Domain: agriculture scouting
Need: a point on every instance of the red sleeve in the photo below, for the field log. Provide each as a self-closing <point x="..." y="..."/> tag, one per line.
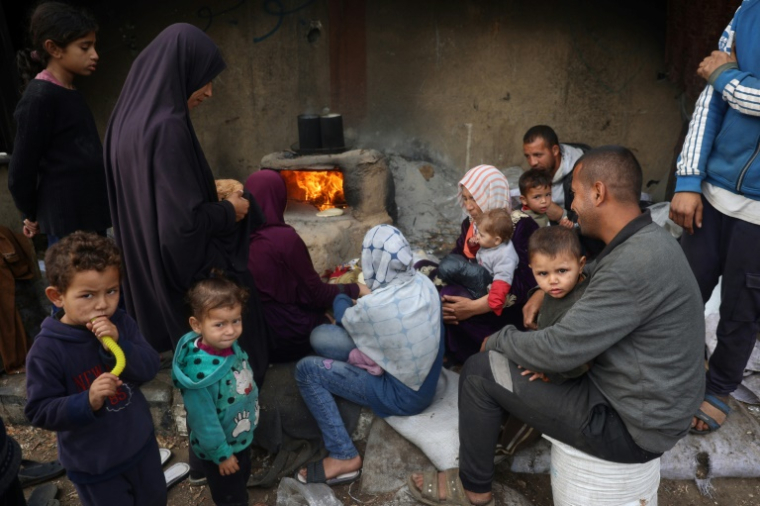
<point x="497" y="295"/>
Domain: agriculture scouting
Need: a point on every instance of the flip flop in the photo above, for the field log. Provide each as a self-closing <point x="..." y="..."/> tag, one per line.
<point x="315" y="473"/>
<point x="166" y="454"/>
<point x="44" y="495"/>
<point x="32" y="473"/>
<point x="712" y="424"/>
<point x="176" y="473"/>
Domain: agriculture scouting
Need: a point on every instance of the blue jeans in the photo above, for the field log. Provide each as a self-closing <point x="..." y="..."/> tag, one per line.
<point x="319" y="378"/>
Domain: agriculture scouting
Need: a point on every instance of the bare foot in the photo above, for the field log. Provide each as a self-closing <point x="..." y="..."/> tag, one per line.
<point x="475" y="499"/>
<point x="711" y="411"/>
<point x="335" y="467"/>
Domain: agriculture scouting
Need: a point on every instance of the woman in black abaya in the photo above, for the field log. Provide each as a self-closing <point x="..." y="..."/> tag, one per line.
<point x="170" y="224"/>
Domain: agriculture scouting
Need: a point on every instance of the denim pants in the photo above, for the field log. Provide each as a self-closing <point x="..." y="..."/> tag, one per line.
<point x="321" y="377"/>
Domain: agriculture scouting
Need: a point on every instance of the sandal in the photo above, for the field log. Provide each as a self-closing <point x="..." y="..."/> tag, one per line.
<point x="32" y="473"/>
<point x="176" y="473"/>
<point x="315" y="473"/>
<point x="165" y="454"/>
<point x="712" y="425"/>
<point x="455" y="494"/>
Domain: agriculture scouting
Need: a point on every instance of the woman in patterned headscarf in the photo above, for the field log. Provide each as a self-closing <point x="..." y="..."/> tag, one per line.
<point x="385" y="352"/>
<point x="468" y="322"/>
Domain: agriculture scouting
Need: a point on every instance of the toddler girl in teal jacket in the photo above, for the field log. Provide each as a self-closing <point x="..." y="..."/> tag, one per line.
<point x="217" y="385"/>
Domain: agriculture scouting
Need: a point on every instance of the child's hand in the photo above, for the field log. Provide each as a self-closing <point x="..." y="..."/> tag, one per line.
<point x="229" y="466"/>
<point x="31" y="228"/>
<point x="565" y="222"/>
<point x="535" y="375"/>
<point x="103" y="387"/>
<point x="473" y="241"/>
<point x="363" y="289"/>
<point x="102" y="327"/>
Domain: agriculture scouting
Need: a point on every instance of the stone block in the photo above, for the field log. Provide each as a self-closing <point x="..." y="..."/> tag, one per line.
<point x="731" y="452"/>
<point x="364" y="425"/>
<point x="389" y="459"/>
<point x="331" y="241"/>
<point x="503" y="495"/>
<point x="179" y="414"/>
<point x="159" y="394"/>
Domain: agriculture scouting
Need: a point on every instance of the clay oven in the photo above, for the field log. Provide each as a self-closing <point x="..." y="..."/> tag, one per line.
<point x="369" y="200"/>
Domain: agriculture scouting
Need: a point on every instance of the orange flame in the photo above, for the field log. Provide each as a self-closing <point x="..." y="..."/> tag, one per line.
<point x="321" y="188"/>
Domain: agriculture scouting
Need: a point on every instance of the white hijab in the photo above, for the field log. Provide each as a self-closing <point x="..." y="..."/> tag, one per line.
<point x="399" y="324"/>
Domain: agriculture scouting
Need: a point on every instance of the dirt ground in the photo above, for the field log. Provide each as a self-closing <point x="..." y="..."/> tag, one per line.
<point x="40" y="445"/>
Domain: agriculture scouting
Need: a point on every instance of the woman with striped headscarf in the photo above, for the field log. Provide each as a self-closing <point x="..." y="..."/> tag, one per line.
<point x="469" y="321"/>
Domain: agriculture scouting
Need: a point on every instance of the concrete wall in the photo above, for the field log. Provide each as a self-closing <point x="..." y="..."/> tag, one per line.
<point x="455" y="82"/>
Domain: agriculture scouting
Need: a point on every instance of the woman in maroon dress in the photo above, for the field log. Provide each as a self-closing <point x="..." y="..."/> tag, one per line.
<point x="293" y="295"/>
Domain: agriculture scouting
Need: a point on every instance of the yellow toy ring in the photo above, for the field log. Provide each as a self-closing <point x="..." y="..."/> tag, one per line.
<point x="118" y="353"/>
<point x="121" y="360"/>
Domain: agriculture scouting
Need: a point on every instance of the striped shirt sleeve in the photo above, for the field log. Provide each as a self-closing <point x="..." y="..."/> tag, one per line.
<point x="740" y="90"/>
<point x="703" y="128"/>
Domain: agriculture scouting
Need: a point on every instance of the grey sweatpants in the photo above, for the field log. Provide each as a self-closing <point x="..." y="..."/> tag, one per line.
<point x="574" y="412"/>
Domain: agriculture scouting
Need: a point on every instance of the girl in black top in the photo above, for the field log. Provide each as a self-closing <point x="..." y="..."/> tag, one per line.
<point x="56" y="174"/>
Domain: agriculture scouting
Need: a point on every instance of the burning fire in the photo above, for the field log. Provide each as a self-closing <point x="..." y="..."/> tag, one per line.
<point x="321" y="188"/>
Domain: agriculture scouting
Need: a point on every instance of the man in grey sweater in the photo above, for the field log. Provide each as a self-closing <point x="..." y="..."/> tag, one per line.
<point x="640" y="321"/>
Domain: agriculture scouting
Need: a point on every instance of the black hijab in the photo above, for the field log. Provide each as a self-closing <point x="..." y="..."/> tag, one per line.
<point x="167" y="218"/>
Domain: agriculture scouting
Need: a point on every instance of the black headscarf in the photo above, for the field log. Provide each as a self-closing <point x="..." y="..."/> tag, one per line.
<point x="167" y="218"/>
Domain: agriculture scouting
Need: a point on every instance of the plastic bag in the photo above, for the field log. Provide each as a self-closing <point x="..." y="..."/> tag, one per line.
<point x="293" y="493"/>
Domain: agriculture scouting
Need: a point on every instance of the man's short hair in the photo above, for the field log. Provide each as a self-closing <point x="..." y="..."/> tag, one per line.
<point x="534" y="178"/>
<point x="554" y="241"/>
<point x="79" y="252"/>
<point x="497" y="222"/>
<point x="616" y="167"/>
<point x="544" y="132"/>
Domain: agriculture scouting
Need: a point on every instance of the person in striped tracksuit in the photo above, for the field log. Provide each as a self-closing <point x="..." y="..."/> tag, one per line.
<point x="717" y="201"/>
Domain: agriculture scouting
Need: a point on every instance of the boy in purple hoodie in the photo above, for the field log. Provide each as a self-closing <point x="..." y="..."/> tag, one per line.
<point x="105" y="431"/>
